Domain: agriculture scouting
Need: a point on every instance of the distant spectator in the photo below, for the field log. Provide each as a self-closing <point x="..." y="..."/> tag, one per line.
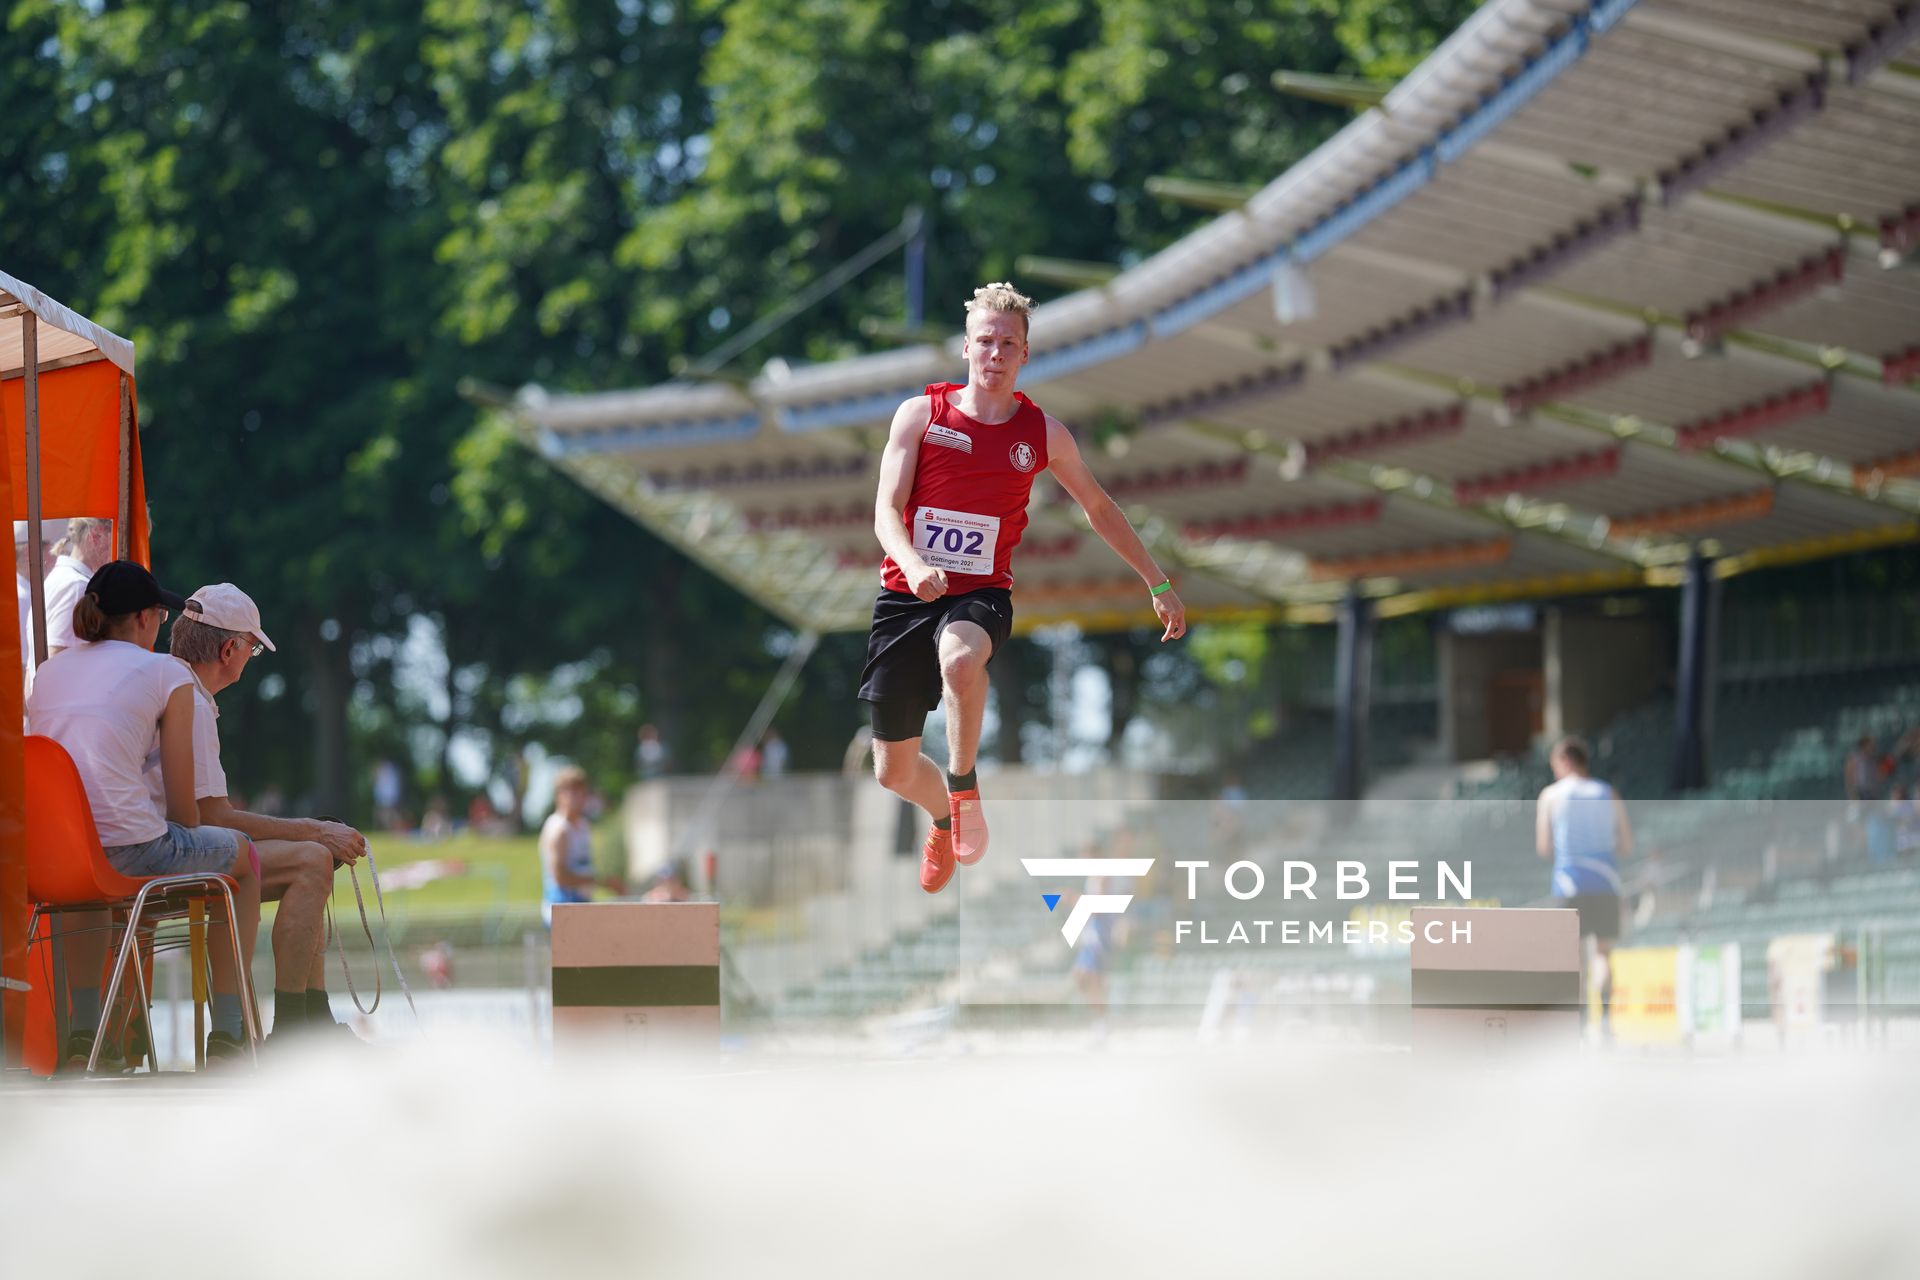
<point x="1904" y="814"/>
<point x="650" y="758"/>
<point x="1864" y="778"/>
<point x="438" y="822"/>
<point x="485" y="820"/>
<point x="566" y="847"/>
<point x="22" y="590"/>
<point x="24" y="573"/>
<point x="1906" y="761"/>
<point x="670" y="885"/>
<point x="87" y="546"/>
<point x="437" y="963"/>
<point x="1093" y="953"/>
<point x="386" y="794"/>
<point x="745" y="763"/>
<point x="773" y="755"/>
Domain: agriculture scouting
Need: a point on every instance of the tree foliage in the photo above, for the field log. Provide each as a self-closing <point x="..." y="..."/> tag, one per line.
<point x="317" y="219"/>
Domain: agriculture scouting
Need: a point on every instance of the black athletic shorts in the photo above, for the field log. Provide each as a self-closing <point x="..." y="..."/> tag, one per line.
<point x="901" y="680"/>
<point x="1599" y="913"/>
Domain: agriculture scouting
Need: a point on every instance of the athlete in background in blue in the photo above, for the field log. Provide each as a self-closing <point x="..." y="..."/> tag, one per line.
<point x="1581" y="824"/>
<point x="566" y="847"/>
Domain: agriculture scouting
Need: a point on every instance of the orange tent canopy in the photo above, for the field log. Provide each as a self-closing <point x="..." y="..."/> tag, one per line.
<point x="80" y="448"/>
<point x="66" y="390"/>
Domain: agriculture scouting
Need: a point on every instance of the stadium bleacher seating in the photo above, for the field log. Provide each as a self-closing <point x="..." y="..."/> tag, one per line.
<point x="1773" y="740"/>
<point x="1293" y="765"/>
<point x="1728" y="865"/>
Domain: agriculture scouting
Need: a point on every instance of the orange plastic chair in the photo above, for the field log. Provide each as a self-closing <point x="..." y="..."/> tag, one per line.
<point x="67" y="871"/>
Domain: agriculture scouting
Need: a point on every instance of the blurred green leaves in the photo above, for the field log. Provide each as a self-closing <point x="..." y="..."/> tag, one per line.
<point x="317" y="219"/>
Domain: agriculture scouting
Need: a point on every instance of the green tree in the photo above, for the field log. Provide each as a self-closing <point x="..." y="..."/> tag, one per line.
<point x="317" y="219"/>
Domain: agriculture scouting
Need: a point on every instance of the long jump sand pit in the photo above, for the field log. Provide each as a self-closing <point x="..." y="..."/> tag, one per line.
<point x="480" y="1160"/>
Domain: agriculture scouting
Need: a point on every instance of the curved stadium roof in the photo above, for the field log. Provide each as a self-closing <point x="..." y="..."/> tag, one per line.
<point x="1597" y="283"/>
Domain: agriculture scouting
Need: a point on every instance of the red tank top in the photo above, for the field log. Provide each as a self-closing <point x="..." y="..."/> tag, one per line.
<point x="968" y="506"/>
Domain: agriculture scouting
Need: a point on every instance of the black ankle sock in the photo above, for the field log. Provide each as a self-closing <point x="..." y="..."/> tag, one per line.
<point x="318" y="1007"/>
<point x="961" y="781"/>
<point x="289" y="1009"/>
<point x="945" y="824"/>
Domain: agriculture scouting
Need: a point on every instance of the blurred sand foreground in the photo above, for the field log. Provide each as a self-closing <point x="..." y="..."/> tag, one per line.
<point x="479" y="1160"/>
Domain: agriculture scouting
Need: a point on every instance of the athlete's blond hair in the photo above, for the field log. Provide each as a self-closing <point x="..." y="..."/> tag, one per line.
<point x="1001" y="296"/>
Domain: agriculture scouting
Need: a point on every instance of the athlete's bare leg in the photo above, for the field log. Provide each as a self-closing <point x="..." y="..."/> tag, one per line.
<point x="964" y="650"/>
<point x="904" y="769"/>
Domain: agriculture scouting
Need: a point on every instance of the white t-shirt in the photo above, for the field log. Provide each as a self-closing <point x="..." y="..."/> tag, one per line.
<point x="66" y="583"/>
<point x="22" y="588"/>
<point x="209" y="777"/>
<point x="102" y="702"/>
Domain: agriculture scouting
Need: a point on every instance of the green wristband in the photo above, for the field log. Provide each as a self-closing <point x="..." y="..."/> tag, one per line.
<point x="1162" y="589"/>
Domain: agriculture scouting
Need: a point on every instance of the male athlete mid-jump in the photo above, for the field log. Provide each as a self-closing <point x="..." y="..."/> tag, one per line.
<point x="954" y="482"/>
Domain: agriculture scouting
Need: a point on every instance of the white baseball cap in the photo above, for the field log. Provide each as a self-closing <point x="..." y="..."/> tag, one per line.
<point x="226" y="606"/>
<point x="51" y="531"/>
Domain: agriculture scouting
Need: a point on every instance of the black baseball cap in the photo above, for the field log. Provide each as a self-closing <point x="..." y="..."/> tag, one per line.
<point x="124" y="586"/>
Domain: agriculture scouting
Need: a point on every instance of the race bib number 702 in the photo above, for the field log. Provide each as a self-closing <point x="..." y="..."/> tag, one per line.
<point x="957" y="541"/>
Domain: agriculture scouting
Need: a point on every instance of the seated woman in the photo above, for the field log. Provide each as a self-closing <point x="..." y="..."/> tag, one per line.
<point x="116" y="706"/>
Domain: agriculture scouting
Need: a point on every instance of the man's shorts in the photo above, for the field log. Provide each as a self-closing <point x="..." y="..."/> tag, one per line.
<point x="1599" y="913"/>
<point x="901" y="680"/>
<point x="181" y="851"/>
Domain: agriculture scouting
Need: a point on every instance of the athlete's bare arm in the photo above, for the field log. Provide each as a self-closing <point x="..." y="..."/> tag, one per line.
<point x="897" y="463"/>
<point x="1104" y="514"/>
<point x="1543" y="827"/>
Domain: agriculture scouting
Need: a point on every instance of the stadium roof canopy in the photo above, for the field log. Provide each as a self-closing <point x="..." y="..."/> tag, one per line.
<point x="1596" y="284"/>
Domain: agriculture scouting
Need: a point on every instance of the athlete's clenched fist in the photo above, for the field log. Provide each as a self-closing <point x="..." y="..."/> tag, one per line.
<point x="927" y="582"/>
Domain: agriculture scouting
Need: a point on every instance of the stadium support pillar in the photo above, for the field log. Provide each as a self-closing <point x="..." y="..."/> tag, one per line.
<point x="1693" y="730"/>
<point x="1353" y="665"/>
<point x="916" y="270"/>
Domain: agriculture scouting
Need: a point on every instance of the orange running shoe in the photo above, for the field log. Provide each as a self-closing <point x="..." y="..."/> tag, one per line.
<point x="936" y="861"/>
<point x="969" y="826"/>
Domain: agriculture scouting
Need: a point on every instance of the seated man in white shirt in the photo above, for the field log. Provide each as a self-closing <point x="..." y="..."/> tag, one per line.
<point x="87" y="547"/>
<point x="216" y="635"/>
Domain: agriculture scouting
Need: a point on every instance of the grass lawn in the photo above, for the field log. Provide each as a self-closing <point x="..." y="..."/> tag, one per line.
<point x="499" y="880"/>
<point x="497" y="871"/>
